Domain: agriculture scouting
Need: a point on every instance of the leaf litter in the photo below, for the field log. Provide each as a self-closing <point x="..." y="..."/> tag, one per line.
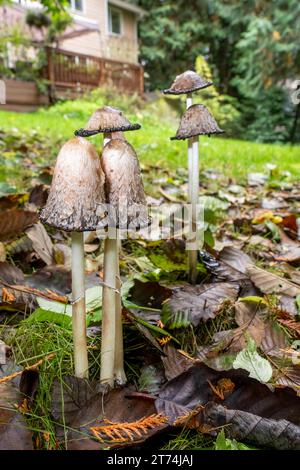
<point x="222" y="352"/>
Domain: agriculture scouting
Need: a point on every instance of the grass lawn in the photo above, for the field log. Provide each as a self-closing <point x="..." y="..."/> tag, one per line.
<point x="232" y="157"/>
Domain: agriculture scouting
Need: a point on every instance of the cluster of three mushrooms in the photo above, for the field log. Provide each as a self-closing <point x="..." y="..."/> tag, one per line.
<point x="87" y="194"/>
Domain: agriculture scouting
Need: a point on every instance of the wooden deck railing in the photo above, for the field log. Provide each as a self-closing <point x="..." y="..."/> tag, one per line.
<point x="70" y="69"/>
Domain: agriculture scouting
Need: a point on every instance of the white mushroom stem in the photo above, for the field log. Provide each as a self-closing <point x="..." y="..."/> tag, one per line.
<point x="189" y="102"/>
<point x="119" y="372"/>
<point x="193" y="189"/>
<point x="109" y="311"/>
<point x="112" y="352"/>
<point x="78" y="306"/>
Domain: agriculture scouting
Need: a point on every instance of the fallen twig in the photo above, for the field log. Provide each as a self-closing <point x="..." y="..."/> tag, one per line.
<point x="49" y="294"/>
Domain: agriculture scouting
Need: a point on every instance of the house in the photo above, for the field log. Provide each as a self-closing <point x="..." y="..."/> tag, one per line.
<point x="109" y="29"/>
<point x="102" y="28"/>
<point x="100" y="47"/>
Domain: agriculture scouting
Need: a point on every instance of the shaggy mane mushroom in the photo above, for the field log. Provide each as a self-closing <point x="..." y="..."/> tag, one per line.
<point x="75" y="205"/>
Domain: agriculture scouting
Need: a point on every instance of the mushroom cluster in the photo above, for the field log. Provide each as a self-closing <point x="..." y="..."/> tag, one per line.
<point x="197" y="120"/>
<point x="90" y="193"/>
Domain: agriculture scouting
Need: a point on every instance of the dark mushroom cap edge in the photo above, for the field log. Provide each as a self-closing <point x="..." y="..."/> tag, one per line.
<point x="196" y="134"/>
<point x="108" y="130"/>
<point x="169" y="91"/>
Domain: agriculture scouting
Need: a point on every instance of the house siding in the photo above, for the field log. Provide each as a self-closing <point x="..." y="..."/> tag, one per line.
<point x="68" y="70"/>
<point x="89" y="44"/>
<point x="99" y="42"/>
<point x="122" y="48"/>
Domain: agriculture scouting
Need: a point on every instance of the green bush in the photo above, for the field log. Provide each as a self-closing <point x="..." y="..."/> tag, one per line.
<point x="37" y="19"/>
<point x="270" y="120"/>
<point x="224" y="108"/>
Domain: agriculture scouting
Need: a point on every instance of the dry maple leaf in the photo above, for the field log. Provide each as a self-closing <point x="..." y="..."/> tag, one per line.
<point x="124" y="432"/>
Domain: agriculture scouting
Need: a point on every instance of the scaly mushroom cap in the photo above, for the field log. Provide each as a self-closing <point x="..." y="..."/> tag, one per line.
<point x="187" y="82"/>
<point x="124" y="185"/>
<point x="77" y="190"/>
<point x="107" y="120"/>
<point x="197" y="120"/>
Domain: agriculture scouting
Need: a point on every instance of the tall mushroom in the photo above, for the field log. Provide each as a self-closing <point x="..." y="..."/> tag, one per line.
<point x="196" y="121"/>
<point x="126" y="198"/>
<point x="75" y="205"/>
<point x="187" y="83"/>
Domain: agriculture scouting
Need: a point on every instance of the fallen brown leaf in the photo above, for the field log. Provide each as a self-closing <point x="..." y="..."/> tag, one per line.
<point x="191" y="389"/>
<point x="15" y="221"/>
<point x="243" y="426"/>
<point x="14" y="432"/>
<point x="191" y="304"/>
<point x="85" y="407"/>
<point x="289" y="255"/>
<point x="174" y="362"/>
<point x="270" y="283"/>
<point x="41" y="242"/>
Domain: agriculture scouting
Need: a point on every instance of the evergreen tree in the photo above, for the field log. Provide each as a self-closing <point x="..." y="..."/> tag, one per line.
<point x="252" y="46"/>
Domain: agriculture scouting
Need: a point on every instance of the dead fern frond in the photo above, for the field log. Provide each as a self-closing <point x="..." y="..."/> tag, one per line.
<point x="7" y="296"/>
<point x="190" y="419"/>
<point x="24" y="406"/>
<point x="124" y="432"/>
<point x="164" y="340"/>
<point x="223" y="388"/>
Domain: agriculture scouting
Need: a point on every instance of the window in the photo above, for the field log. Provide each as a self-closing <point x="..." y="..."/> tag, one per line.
<point x="114" y="20"/>
<point x="76" y="5"/>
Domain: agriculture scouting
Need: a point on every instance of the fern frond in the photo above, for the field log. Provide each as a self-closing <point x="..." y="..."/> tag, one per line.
<point x="190" y="419"/>
<point x="7" y="296"/>
<point x="124" y="432"/>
